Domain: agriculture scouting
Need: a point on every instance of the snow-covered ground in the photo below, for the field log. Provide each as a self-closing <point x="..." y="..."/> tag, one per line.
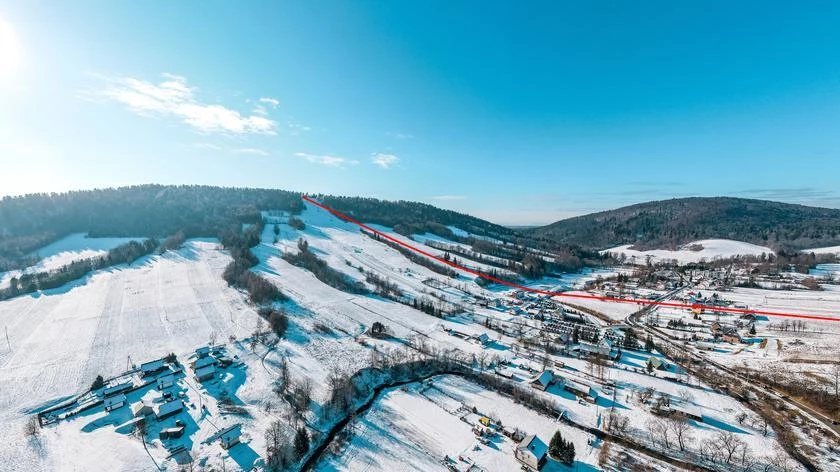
<point x="71" y="248"/>
<point x="711" y="249"/>
<point x="415" y="427"/>
<point x="60" y="340"/>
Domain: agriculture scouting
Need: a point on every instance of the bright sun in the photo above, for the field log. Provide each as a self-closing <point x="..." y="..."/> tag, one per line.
<point x="9" y="50"/>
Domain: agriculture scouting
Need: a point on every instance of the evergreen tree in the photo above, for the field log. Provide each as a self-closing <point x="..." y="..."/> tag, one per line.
<point x="752" y="330"/>
<point x="649" y="346"/>
<point x="556" y="445"/>
<point x="98" y="383"/>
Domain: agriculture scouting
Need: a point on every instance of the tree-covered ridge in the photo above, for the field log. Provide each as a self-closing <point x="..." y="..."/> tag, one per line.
<point x="670" y="223"/>
<point x="409" y="218"/>
<point x="33" y="221"/>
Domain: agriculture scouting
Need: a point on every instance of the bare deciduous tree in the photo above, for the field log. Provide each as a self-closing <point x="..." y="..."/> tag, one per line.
<point x="32" y="428"/>
<point x="678" y="424"/>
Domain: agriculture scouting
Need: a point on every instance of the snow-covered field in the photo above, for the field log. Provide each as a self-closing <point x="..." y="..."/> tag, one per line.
<point x="711" y="249"/>
<point x="823" y="250"/>
<point x="70" y="248"/>
<point x="61" y="340"/>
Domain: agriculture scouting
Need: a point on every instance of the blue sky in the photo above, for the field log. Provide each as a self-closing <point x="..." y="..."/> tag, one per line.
<point x="519" y="112"/>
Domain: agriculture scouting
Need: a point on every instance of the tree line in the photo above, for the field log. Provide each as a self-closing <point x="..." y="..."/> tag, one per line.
<point x="33" y="221"/>
<point x="238" y="272"/>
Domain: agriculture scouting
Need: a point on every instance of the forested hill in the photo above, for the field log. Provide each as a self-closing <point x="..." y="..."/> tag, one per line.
<point x="32" y="221"/>
<point x="29" y="222"/>
<point x="669" y="223"/>
<point x="413" y="217"/>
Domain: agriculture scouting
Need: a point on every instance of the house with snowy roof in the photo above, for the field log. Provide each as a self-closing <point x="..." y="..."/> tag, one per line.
<point x="543" y="381"/>
<point x="532" y="452"/>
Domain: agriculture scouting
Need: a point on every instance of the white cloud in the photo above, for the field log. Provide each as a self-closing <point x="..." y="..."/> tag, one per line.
<point x="401" y="135"/>
<point x="449" y="197"/>
<point x="271" y="101"/>
<point x="254" y="151"/>
<point x="172" y="97"/>
<point x="384" y="160"/>
<point x="327" y="160"/>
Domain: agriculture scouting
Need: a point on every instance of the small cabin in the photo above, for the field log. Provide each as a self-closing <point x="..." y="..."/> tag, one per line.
<point x="171" y="433"/>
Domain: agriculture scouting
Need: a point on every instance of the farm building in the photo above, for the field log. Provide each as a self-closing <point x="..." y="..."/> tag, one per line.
<point x="165" y="410"/>
<point x="119" y="388"/>
<point x="165" y="381"/>
<point x="114" y="402"/>
<point x="532" y="452"/>
<point x="205" y="373"/>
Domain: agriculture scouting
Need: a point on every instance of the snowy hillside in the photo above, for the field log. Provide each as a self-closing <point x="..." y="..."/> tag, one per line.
<point x="707" y="249"/>
<point x="71" y="248"/>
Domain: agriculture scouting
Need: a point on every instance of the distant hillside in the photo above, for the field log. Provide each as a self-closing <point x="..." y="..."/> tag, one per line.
<point x="33" y="221"/>
<point x="669" y="223"/>
<point x="414" y="218"/>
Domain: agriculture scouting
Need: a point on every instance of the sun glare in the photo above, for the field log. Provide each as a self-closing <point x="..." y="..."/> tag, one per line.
<point x="9" y="51"/>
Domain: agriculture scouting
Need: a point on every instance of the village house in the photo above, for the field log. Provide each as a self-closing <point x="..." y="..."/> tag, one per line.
<point x="142" y="409"/>
<point x="658" y="363"/>
<point x="688" y="411"/>
<point x="483" y="339"/>
<point x="581" y="390"/>
<point x="152" y="367"/>
<point x="165" y="410"/>
<point x="202" y="362"/>
<point x="229" y="436"/>
<point x="205" y="373"/>
<point x="543" y="381"/>
<point x="532" y="452"/>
